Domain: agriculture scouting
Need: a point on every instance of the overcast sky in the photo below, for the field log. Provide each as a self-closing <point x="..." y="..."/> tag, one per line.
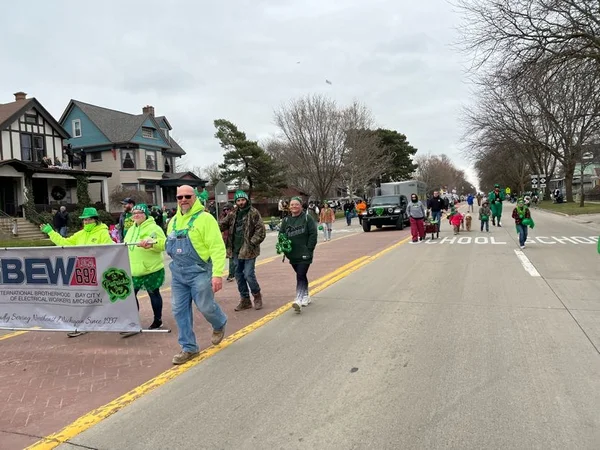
<point x="196" y="61"/>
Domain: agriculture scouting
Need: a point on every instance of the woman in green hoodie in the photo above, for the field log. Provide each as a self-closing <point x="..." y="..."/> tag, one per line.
<point x="146" y="244"/>
<point x="94" y="232"/>
<point x="299" y="231"/>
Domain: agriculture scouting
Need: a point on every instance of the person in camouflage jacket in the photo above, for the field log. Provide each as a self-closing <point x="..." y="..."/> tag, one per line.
<point x="246" y="231"/>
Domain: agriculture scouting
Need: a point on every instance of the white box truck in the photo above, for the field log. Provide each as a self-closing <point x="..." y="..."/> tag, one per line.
<point x="405" y="188"/>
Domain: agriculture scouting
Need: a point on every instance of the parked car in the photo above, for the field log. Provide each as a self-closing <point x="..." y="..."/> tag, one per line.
<point x="386" y="210"/>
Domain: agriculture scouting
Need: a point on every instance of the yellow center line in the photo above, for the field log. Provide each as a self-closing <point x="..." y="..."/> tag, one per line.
<point x="97" y="415"/>
<point x="12" y="335"/>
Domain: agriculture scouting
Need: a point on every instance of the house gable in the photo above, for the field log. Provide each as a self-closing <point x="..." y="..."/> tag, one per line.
<point x="28" y="131"/>
<point x="141" y="136"/>
<point x="90" y="134"/>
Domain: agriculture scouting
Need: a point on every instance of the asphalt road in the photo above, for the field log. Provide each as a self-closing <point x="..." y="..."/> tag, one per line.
<point x="464" y="344"/>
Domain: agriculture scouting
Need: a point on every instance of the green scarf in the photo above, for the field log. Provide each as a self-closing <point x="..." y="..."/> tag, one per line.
<point x="521" y="211"/>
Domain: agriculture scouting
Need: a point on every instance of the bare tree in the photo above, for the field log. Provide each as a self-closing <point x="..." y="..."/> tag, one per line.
<point x="314" y="129"/>
<point x="504" y="32"/>
<point x="437" y="171"/>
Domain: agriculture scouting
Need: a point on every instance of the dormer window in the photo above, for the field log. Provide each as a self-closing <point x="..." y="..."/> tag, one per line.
<point x="147" y="133"/>
<point x="166" y="132"/>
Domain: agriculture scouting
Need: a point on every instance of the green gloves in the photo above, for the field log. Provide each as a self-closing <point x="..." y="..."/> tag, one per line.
<point x="46" y="228"/>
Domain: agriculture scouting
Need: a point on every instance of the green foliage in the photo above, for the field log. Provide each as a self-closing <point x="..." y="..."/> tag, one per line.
<point x="401" y="152"/>
<point x="245" y="162"/>
<point x="118" y="194"/>
<point x="29" y="205"/>
<point x="83" y="193"/>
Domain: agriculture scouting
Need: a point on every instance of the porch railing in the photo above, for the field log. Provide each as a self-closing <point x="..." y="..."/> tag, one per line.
<point x="6" y="224"/>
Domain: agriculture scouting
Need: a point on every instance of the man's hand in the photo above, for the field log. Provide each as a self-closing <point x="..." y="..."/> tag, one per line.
<point x="146" y="243"/>
<point x="217" y="284"/>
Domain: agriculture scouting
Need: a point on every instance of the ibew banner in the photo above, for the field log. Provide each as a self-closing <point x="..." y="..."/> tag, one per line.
<point x="84" y="288"/>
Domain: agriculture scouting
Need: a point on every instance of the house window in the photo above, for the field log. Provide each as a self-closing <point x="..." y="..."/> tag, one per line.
<point x="150" y="160"/>
<point x="38" y="148"/>
<point x="26" y="147"/>
<point x="30" y="118"/>
<point x="147" y="132"/>
<point x="32" y="148"/>
<point x="127" y="159"/>
<point x="130" y="186"/>
<point x="76" y="124"/>
<point x="96" y="156"/>
<point x="151" y="191"/>
<point x="166" y="132"/>
<point x="169" y="164"/>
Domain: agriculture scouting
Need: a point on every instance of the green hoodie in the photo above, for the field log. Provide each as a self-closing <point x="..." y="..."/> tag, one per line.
<point x="97" y="236"/>
<point x="204" y="234"/>
<point x="302" y="232"/>
<point x="146" y="261"/>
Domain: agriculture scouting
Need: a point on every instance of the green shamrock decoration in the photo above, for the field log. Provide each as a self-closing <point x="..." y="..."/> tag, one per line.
<point x="116" y="283"/>
<point x="379" y="211"/>
<point x="284" y="245"/>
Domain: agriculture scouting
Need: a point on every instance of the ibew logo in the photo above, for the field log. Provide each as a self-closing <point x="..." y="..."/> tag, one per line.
<point x="71" y="271"/>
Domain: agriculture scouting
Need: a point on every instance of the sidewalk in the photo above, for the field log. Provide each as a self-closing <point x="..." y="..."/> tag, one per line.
<point x="48" y="380"/>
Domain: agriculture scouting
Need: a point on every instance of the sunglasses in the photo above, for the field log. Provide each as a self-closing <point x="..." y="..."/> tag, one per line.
<point x="181" y="197"/>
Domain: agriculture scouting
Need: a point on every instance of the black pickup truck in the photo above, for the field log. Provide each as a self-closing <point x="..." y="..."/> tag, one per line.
<point x="386" y="210"/>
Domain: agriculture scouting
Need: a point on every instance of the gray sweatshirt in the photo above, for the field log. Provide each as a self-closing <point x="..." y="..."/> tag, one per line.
<point x="415" y="210"/>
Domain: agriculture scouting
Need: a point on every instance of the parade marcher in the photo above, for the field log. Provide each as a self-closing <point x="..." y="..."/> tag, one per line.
<point x="246" y="233"/>
<point x="147" y="259"/>
<point x="416" y="213"/>
<point x="479" y="197"/>
<point x="348" y="211"/>
<point x="326" y="219"/>
<point x="94" y="232"/>
<point x="496" y="197"/>
<point x="125" y="220"/>
<point x="484" y="215"/>
<point x="436" y="204"/>
<point x="197" y="250"/>
<point x="523" y="220"/>
<point x="470" y="201"/>
<point x="297" y="240"/>
<point x="226" y="210"/>
<point x="61" y="221"/>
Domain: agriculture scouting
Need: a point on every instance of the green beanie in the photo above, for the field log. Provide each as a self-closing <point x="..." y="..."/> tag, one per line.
<point x="240" y="194"/>
<point x="141" y="207"/>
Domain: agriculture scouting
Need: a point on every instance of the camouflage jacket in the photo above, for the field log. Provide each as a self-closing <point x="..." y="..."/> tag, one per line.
<point x="254" y="233"/>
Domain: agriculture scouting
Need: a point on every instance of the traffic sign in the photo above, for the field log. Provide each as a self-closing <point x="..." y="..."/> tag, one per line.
<point x="221" y="194"/>
<point x="542" y="185"/>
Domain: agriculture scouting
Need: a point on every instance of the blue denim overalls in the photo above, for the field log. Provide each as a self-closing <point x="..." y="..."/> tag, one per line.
<point x="191" y="279"/>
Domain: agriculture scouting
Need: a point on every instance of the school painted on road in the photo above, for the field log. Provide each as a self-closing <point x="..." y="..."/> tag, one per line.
<point x="491" y="240"/>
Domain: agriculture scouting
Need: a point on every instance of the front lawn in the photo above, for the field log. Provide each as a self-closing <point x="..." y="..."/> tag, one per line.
<point x="572" y="209"/>
<point x="25" y="243"/>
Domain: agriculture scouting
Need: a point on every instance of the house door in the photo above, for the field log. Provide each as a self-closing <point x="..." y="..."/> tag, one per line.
<point x="40" y="191"/>
<point x="8" y="196"/>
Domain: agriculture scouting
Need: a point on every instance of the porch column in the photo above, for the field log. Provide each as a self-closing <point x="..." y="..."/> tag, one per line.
<point x="104" y="194"/>
<point x="159" y="196"/>
<point x="21" y="197"/>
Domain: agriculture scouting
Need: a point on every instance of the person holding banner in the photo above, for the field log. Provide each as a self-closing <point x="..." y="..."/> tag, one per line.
<point x="146" y="246"/>
<point x="94" y="232"/>
<point x="195" y="244"/>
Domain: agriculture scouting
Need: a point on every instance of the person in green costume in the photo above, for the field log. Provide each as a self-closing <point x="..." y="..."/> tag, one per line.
<point x="94" y="232"/>
<point x="146" y="258"/>
<point x="297" y="240"/>
<point x="523" y="219"/>
<point x="496" y="197"/>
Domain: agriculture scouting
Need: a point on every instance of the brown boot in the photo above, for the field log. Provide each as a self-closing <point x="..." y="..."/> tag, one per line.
<point x="245" y="303"/>
<point x="217" y="336"/>
<point x="257" y="300"/>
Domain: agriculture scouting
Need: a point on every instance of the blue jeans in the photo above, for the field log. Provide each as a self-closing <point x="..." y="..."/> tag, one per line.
<point x="522" y="229"/>
<point x="437" y="215"/>
<point x="245" y="275"/>
<point x="63" y="231"/>
<point x="348" y="218"/>
<point x="487" y="225"/>
<point x="191" y="281"/>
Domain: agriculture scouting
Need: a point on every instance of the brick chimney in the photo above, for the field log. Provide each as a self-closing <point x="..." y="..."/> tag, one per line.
<point x="148" y="110"/>
<point x="19" y="96"/>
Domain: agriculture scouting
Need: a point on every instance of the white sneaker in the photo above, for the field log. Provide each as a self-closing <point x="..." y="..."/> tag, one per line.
<point x="296" y="307"/>
<point x="522" y="246"/>
<point x="305" y="301"/>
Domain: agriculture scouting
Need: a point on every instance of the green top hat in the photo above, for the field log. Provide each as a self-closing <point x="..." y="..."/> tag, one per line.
<point x="89" y="213"/>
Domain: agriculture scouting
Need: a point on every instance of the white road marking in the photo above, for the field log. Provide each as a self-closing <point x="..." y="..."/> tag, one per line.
<point x="527" y="265"/>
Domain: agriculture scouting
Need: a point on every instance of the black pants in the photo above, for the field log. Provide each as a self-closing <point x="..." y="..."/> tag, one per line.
<point x="155" y="300"/>
<point x="301" y="280"/>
